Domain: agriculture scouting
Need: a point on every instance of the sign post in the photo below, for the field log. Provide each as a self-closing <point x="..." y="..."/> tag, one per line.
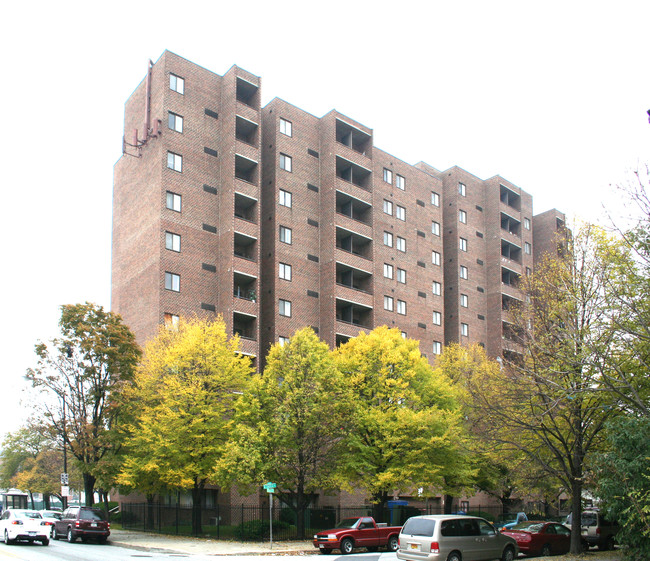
<point x="270" y="488"/>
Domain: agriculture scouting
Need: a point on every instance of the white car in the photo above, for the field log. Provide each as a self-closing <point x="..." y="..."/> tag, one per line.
<point x="24" y="525"/>
<point x="50" y="516"/>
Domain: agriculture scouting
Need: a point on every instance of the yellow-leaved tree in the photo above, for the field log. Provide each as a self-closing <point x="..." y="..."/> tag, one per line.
<point x="180" y="406"/>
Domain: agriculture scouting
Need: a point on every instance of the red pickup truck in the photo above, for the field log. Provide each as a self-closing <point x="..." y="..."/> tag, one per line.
<point x="357" y="532"/>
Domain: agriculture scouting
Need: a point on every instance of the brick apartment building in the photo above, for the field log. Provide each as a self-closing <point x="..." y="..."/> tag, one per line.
<point x="277" y="219"/>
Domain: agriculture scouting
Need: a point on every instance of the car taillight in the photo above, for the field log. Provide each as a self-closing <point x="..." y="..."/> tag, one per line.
<point x="47" y="523"/>
<point x="399" y="542"/>
<point x="435" y="547"/>
<point x="17" y="522"/>
<point x="76" y="523"/>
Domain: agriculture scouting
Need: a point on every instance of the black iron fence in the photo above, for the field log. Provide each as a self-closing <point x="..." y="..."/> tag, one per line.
<point x="247" y="523"/>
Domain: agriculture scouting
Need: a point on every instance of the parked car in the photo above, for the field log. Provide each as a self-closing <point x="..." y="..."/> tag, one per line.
<point x="50" y="517"/>
<point x="24" y="525"/>
<point x="509" y="519"/>
<point x="361" y="531"/>
<point x="448" y="537"/>
<point x="82" y="522"/>
<point x="596" y="530"/>
<point x="540" y="538"/>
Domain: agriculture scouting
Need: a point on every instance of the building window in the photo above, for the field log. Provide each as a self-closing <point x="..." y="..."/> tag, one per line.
<point x="285" y="271"/>
<point x="388" y="303"/>
<point x="462" y="244"/>
<point x="461" y="189"/>
<point x="172" y="282"/>
<point x="437" y="347"/>
<point x="435" y="258"/>
<point x="462" y="216"/>
<point x="175" y="161"/>
<point x="528" y="271"/>
<point x="176" y="83"/>
<point x="172" y="241"/>
<point x="285" y="198"/>
<point x="388" y="239"/>
<point x="285" y="234"/>
<point x="435" y="228"/>
<point x="285" y="127"/>
<point x="527" y="223"/>
<point x="464" y="330"/>
<point x="283" y="340"/>
<point x="435" y="198"/>
<point x="463" y="272"/>
<point x="285" y="308"/>
<point x="401" y="275"/>
<point x="285" y="162"/>
<point x="401" y="244"/>
<point x="388" y="176"/>
<point x="400" y="182"/>
<point x="464" y="300"/>
<point x="171" y="320"/>
<point x="527" y="248"/>
<point x="175" y="122"/>
<point x="436" y="288"/>
<point x="401" y="307"/>
<point x="173" y="201"/>
<point x="388" y="207"/>
<point x="388" y="271"/>
<point x="400" y="213"/>
<point x="437" y="318"/>
<point x="404" y="335"/>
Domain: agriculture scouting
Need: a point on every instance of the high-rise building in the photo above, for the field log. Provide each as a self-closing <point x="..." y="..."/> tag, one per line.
<point x="278" y="219"/>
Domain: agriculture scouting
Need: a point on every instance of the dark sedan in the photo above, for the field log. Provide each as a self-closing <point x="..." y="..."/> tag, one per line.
<point x="541" y="538"/>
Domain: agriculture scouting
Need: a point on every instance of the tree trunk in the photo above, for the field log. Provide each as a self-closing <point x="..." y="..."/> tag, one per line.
<point x="197" y="500"/>
<point x="576" y="516"/>
<point x="89" y="488"/>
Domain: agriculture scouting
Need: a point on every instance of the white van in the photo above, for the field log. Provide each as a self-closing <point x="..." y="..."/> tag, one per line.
<point x="447" y="537"/>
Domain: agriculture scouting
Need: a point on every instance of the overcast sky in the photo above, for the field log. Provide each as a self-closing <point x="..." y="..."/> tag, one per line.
<point x="551" y="95"/>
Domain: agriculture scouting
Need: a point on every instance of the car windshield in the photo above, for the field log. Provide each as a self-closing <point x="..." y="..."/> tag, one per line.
<point x="347" y="523"/>
<point x="533" y="527"/>
<point x="589" y="519"/>
<point x="419" y="527"/>
<point x="51" y="514"/>
<point x="29" y="514"/>
<point x="91" y="514"/>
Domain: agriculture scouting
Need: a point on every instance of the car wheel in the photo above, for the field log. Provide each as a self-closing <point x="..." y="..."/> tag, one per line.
<point x="393" y="543"/>
<point x="346" y="546"/>
<point x="546" y="550"/>
<point x="609" y="544"/>
<point x="508" y="554"/>
<point x="454" y="556"/>
<point x="7" y="540"/>
<point x="45" y="541"/>
<point x="71" y="536"/>
<point x="325" y="551"/>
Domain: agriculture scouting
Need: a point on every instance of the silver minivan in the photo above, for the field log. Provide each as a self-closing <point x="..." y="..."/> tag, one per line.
<point x="448" y="537"/>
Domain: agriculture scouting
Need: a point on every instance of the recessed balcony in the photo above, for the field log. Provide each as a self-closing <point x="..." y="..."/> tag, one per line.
<point x="510" y="224"/>
<point x="246" y="131"/>
<point x="353" y="138"/>
<point x="510" y="198"/>
<point x="245" y="246"/>
<point x="353" y="243"/>
<point x="353" y="313"/>
<point x="353" y="208"/>
<point x="246" y="207"/>
<point x="246" y="169"/>
<point x="248" y="93"/>
<point x="353" y="173"/>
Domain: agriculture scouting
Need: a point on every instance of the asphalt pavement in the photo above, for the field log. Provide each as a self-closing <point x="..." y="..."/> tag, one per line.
<point x="180" y="544"/>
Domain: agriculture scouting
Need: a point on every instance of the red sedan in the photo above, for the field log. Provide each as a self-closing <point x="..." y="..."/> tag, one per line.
<point x="541" y="538"/>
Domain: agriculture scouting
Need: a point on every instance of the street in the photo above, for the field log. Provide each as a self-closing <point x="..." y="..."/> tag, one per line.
<point x="63" y="551"/>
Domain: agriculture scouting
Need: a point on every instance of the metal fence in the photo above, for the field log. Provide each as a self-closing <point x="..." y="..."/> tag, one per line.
<point x="247" y="523"/>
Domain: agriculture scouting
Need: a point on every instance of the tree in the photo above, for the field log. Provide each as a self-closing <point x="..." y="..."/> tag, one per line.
<point x="408" y="432"/>
<point x="550" y="402"/>
<point x="180" y="408"/>
<point x="290" y="423"/>
<point x="80" y="374"/>
<point x="622" y="476"/>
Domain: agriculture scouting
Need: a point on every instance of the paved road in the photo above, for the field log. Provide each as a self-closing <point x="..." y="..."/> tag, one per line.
<point x="63" y="551"/>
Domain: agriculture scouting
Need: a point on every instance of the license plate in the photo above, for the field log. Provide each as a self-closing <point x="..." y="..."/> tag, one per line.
<point x="320" y="545"/>
<point x="31" y="533"/>
<point x="414" y="546"/>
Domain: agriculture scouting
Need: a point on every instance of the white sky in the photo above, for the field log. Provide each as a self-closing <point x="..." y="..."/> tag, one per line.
<point x="551" y="95"/>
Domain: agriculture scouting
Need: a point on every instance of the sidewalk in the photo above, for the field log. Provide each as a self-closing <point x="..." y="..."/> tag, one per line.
<point x="144" y="541"/>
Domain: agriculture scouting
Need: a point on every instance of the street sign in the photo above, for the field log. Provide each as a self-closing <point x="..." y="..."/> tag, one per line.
<point x="65" y="491"/>
<point x="270" y="487"/>
<point x="64" y="479"/>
